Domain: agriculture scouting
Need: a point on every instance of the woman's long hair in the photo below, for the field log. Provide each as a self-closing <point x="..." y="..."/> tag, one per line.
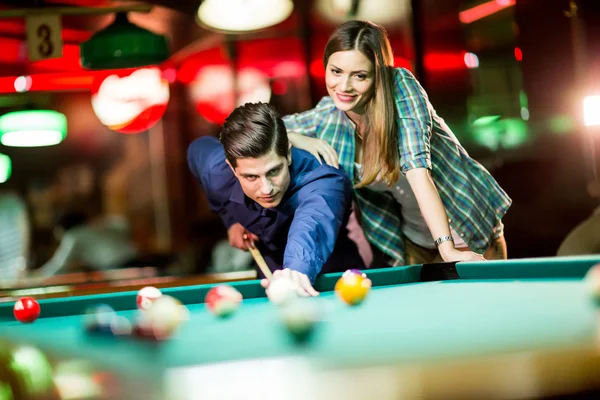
<point x="380" y="139"/>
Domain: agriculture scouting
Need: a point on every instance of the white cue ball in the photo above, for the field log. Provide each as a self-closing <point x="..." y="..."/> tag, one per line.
<point x="281" y="291"/>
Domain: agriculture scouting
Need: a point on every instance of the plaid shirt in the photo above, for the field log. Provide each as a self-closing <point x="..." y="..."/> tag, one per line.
<point x="474" y="201"/>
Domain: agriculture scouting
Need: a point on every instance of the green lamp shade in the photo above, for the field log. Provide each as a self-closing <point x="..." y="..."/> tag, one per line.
<point x="32" y="128"/>
<point x="5" y="167"/>
<point x="123" y="45"/>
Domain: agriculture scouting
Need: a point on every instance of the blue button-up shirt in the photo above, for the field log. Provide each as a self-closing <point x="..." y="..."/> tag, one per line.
<point x="306" y="232"/>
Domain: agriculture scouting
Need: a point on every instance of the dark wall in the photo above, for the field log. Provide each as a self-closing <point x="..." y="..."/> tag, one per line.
<point x="547" y="178"/>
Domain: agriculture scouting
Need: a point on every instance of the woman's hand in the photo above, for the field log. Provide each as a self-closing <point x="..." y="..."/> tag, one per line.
<point x="317" y="147"/>
<point x="453" y="254"/>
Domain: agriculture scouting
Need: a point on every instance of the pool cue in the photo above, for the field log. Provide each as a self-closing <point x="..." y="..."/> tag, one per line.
<point x="260" y="261"/>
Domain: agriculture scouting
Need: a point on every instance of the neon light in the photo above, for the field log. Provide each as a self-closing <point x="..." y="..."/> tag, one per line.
<point x="5" y="167"/>
<point x="32" y="128"/>
<point x="444" y="61"/>
<point x="518" y="54"/>
<point x="484" y="10"/>
<point x="59" y="81"/>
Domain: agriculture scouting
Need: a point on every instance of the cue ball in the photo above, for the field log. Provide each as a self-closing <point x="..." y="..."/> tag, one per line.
<point x="353" y="286"/>
<point x="26" y="310"/>
<point x="146" y="297"/>
<point x="281" y="290"/>
<point x="223" y="300"/>
<point x="592" y="283"/>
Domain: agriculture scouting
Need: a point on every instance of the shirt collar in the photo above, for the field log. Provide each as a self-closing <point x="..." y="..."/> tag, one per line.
<point x="237" y="194"/>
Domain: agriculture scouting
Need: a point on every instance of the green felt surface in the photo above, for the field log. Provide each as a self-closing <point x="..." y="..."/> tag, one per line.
<point x="396" y="324"/>
<point x="495" y="310"/>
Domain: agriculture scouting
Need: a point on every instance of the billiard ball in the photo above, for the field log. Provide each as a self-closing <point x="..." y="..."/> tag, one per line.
<point x="299" y="318"/>
<point x="282" y="290"/>
<point x="100" y="318"/>
<point x="352" y="287"/>
<point x="165" y="316"/>
<point x="26" y="310"/>
<point x="121" y="326"/>
<point x="146" y="296"/>
<point x="223" y="300"/>
<point x="592" y="283"/>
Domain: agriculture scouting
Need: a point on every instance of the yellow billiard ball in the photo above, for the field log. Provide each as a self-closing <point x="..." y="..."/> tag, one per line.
<point x="353" y="286"/>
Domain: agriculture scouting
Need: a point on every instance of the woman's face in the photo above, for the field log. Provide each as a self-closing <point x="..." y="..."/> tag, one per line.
<point x="350" y="79"/>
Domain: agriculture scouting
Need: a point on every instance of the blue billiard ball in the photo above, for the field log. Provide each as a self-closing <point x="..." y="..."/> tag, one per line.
<point x="100" y="319"/>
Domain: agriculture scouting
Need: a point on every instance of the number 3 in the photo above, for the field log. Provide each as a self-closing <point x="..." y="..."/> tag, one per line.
<point x="45" y="47"/>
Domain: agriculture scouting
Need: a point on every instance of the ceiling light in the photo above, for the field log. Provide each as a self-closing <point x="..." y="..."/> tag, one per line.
<point x="243" y="15"/>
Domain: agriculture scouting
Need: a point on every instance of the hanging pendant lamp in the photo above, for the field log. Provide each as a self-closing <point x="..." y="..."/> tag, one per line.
<point x="123" y="45"/>
<point x="238" y="16"/>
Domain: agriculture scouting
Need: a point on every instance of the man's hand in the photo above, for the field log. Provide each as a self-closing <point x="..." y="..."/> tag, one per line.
<point x="240" y="238"/>
<point x="298" y="279"/>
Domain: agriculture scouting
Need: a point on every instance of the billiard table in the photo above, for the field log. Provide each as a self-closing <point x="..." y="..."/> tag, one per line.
<point x="514" y="328"/>
<point x="120" y="283"/>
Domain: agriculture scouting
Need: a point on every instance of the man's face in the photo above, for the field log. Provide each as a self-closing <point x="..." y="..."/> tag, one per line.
<point x="266" y="179"/>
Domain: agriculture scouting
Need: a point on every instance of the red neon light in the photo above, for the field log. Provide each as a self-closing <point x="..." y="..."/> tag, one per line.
<point x="518" y="54"/>
<point x="60" y="81"/>
<point x="444" y="61"/>
<point x="484" y="10"/>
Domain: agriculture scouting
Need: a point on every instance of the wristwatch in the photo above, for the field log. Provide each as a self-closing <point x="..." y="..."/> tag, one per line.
<point x="443" y="239"/>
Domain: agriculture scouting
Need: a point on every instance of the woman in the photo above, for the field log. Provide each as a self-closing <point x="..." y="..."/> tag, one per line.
<point x="379" y="126"/>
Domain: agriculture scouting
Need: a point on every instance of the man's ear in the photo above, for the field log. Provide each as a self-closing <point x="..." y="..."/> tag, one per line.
<point x="230" y="166"/>
<point x="289" y="154"/>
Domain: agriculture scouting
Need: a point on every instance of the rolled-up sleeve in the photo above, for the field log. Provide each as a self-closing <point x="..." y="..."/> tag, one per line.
<point x="414" y="121"/>
<point x="317" y="221"/>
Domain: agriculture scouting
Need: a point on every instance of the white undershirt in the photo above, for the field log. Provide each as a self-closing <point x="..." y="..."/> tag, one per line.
<point x="413" y="225"/>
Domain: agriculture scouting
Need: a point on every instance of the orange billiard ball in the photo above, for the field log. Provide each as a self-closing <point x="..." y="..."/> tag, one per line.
<point x="353" y="286"/>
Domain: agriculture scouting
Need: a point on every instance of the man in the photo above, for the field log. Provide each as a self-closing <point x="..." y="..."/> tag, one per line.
<point x="283" y="200"/>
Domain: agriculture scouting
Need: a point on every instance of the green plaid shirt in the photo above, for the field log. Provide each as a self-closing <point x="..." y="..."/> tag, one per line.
<point x="474" y="201"/>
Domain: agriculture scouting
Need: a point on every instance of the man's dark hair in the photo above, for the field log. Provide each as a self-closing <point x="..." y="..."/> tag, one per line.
<point x="252" y="131"/>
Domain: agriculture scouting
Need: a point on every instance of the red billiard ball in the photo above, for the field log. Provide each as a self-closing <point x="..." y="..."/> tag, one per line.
<point x="223" y="300"/>
<point x="26" y="310"/>
<point x="147" y="296"/>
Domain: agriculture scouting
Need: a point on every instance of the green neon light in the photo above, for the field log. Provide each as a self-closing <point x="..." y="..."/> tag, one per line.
<point x="32" y="128"/>
<point x="5" y="168"/>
